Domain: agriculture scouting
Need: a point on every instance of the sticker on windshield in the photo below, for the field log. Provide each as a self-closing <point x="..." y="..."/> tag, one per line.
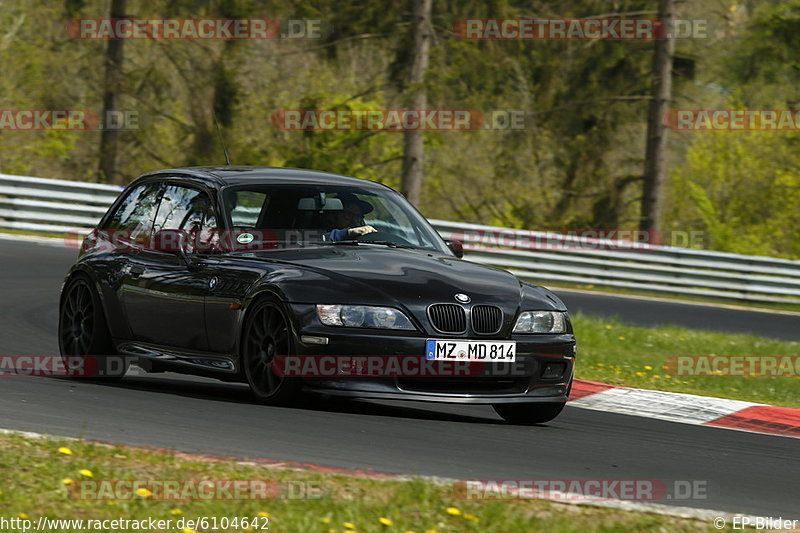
<point x="245" y="238"/>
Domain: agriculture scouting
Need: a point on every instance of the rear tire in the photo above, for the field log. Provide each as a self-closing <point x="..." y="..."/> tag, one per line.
<point x="529" y="413"/>
<point x="267" y="335"/>
<point x="83" y="338"/>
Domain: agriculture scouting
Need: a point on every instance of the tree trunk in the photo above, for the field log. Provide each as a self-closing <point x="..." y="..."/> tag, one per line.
<point x="112" y="87"/>
<point x="413" y="148"/>
<point x="654" y="166"/>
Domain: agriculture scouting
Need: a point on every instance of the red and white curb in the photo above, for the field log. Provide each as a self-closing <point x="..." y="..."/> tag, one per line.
<point x="687" y="408"/>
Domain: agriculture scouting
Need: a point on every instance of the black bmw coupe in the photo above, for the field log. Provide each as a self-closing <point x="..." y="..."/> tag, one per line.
<point x="297" y="281"/>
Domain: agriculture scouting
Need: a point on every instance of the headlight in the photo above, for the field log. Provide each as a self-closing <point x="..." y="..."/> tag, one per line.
<point x="363" y="316"/>
<point x="541" y="322"/>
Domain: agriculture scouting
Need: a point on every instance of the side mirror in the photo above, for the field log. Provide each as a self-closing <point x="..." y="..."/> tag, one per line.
<point x="457" y="247"/>
<point x="174" y="241"/>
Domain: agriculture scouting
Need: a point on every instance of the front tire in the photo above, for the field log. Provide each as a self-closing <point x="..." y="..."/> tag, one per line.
<point x="267" y="335"/>
<point x="529" y="413"/>
<point x="84" y="340"/>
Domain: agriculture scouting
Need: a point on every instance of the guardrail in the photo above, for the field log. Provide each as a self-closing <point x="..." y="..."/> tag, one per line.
<point x="38" y="204"/>
<point x="41" y="204"/>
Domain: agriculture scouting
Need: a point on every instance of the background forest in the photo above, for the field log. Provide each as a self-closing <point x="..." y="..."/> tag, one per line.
<point x="578" y="163"/>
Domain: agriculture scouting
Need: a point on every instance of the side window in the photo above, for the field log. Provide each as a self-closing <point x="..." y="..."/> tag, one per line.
<point x="190" y="210"/>
<point x="186" y="209"/>
<point x="137" y="211"/>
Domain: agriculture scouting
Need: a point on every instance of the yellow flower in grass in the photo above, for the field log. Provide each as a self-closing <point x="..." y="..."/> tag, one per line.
<point x="86" y="473"/>
<point x="188" y="530"/>
<point x="641" y="374"/>
<point x="23" y="516"/>
<point x="453" y="511"/>
<point x="385" y="521"/>
<point x="349" y="525"/>
<point x="65" y="451"/>
<point x="471" y="517"/>
<point x="67" y="481"/>
<point x="609" y="326"/>
<point x="143" y="493"/>
<point x="648" y="367"/>
<point x="431" y="531"/>
<point x="620" y="338"/>
<point x="175" y="511"/>
<point x="263" y="514"/>
<point x="325" y="519"/>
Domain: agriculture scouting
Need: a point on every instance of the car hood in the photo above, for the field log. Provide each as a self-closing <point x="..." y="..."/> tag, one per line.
<point x="373" y="274"/>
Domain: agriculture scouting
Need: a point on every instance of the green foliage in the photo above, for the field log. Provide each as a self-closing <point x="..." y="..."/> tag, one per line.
<point x="575" y="164"/>
<point x="743" y="190"/>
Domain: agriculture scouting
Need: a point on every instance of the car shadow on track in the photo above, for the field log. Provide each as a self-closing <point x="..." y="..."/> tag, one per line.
<point x="214" y="390"/>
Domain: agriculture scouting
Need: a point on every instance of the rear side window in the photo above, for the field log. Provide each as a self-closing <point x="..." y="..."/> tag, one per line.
<point x="189" y="210"/>
<point x="184" y="208"/>
<point x="137" y="210"/>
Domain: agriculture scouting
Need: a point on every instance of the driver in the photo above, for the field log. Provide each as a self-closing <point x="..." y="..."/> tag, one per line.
<point x="350" y="219"/>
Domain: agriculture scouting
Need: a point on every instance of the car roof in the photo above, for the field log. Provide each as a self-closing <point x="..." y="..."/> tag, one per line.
<point x="223" y="176"/>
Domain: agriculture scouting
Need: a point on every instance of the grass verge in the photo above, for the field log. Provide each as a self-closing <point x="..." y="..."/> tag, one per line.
<point x="612" y="351"/>
<point x="50" y="234"/>
<point x="37" y="478"/>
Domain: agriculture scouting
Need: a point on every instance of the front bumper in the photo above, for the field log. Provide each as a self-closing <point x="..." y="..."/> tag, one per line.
<point x="484" y="383"/>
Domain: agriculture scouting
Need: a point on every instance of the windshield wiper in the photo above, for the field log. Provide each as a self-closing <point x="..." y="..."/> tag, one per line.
<point x="390" y="244"/>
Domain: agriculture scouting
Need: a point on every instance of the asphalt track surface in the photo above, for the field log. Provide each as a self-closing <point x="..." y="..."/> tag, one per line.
<point x="743" y="472"/>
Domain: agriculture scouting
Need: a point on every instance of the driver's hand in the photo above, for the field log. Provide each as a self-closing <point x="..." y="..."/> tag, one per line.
<point x="361" y="230"/>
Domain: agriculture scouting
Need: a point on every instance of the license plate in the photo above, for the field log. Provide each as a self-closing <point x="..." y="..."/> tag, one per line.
<point x="487" y="351"/>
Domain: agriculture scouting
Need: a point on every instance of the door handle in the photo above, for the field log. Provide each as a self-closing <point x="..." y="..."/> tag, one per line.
<point x="136" y="270"/>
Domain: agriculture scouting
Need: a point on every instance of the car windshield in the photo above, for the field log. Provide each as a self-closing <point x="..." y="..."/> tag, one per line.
<point x="289" y="216"/>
